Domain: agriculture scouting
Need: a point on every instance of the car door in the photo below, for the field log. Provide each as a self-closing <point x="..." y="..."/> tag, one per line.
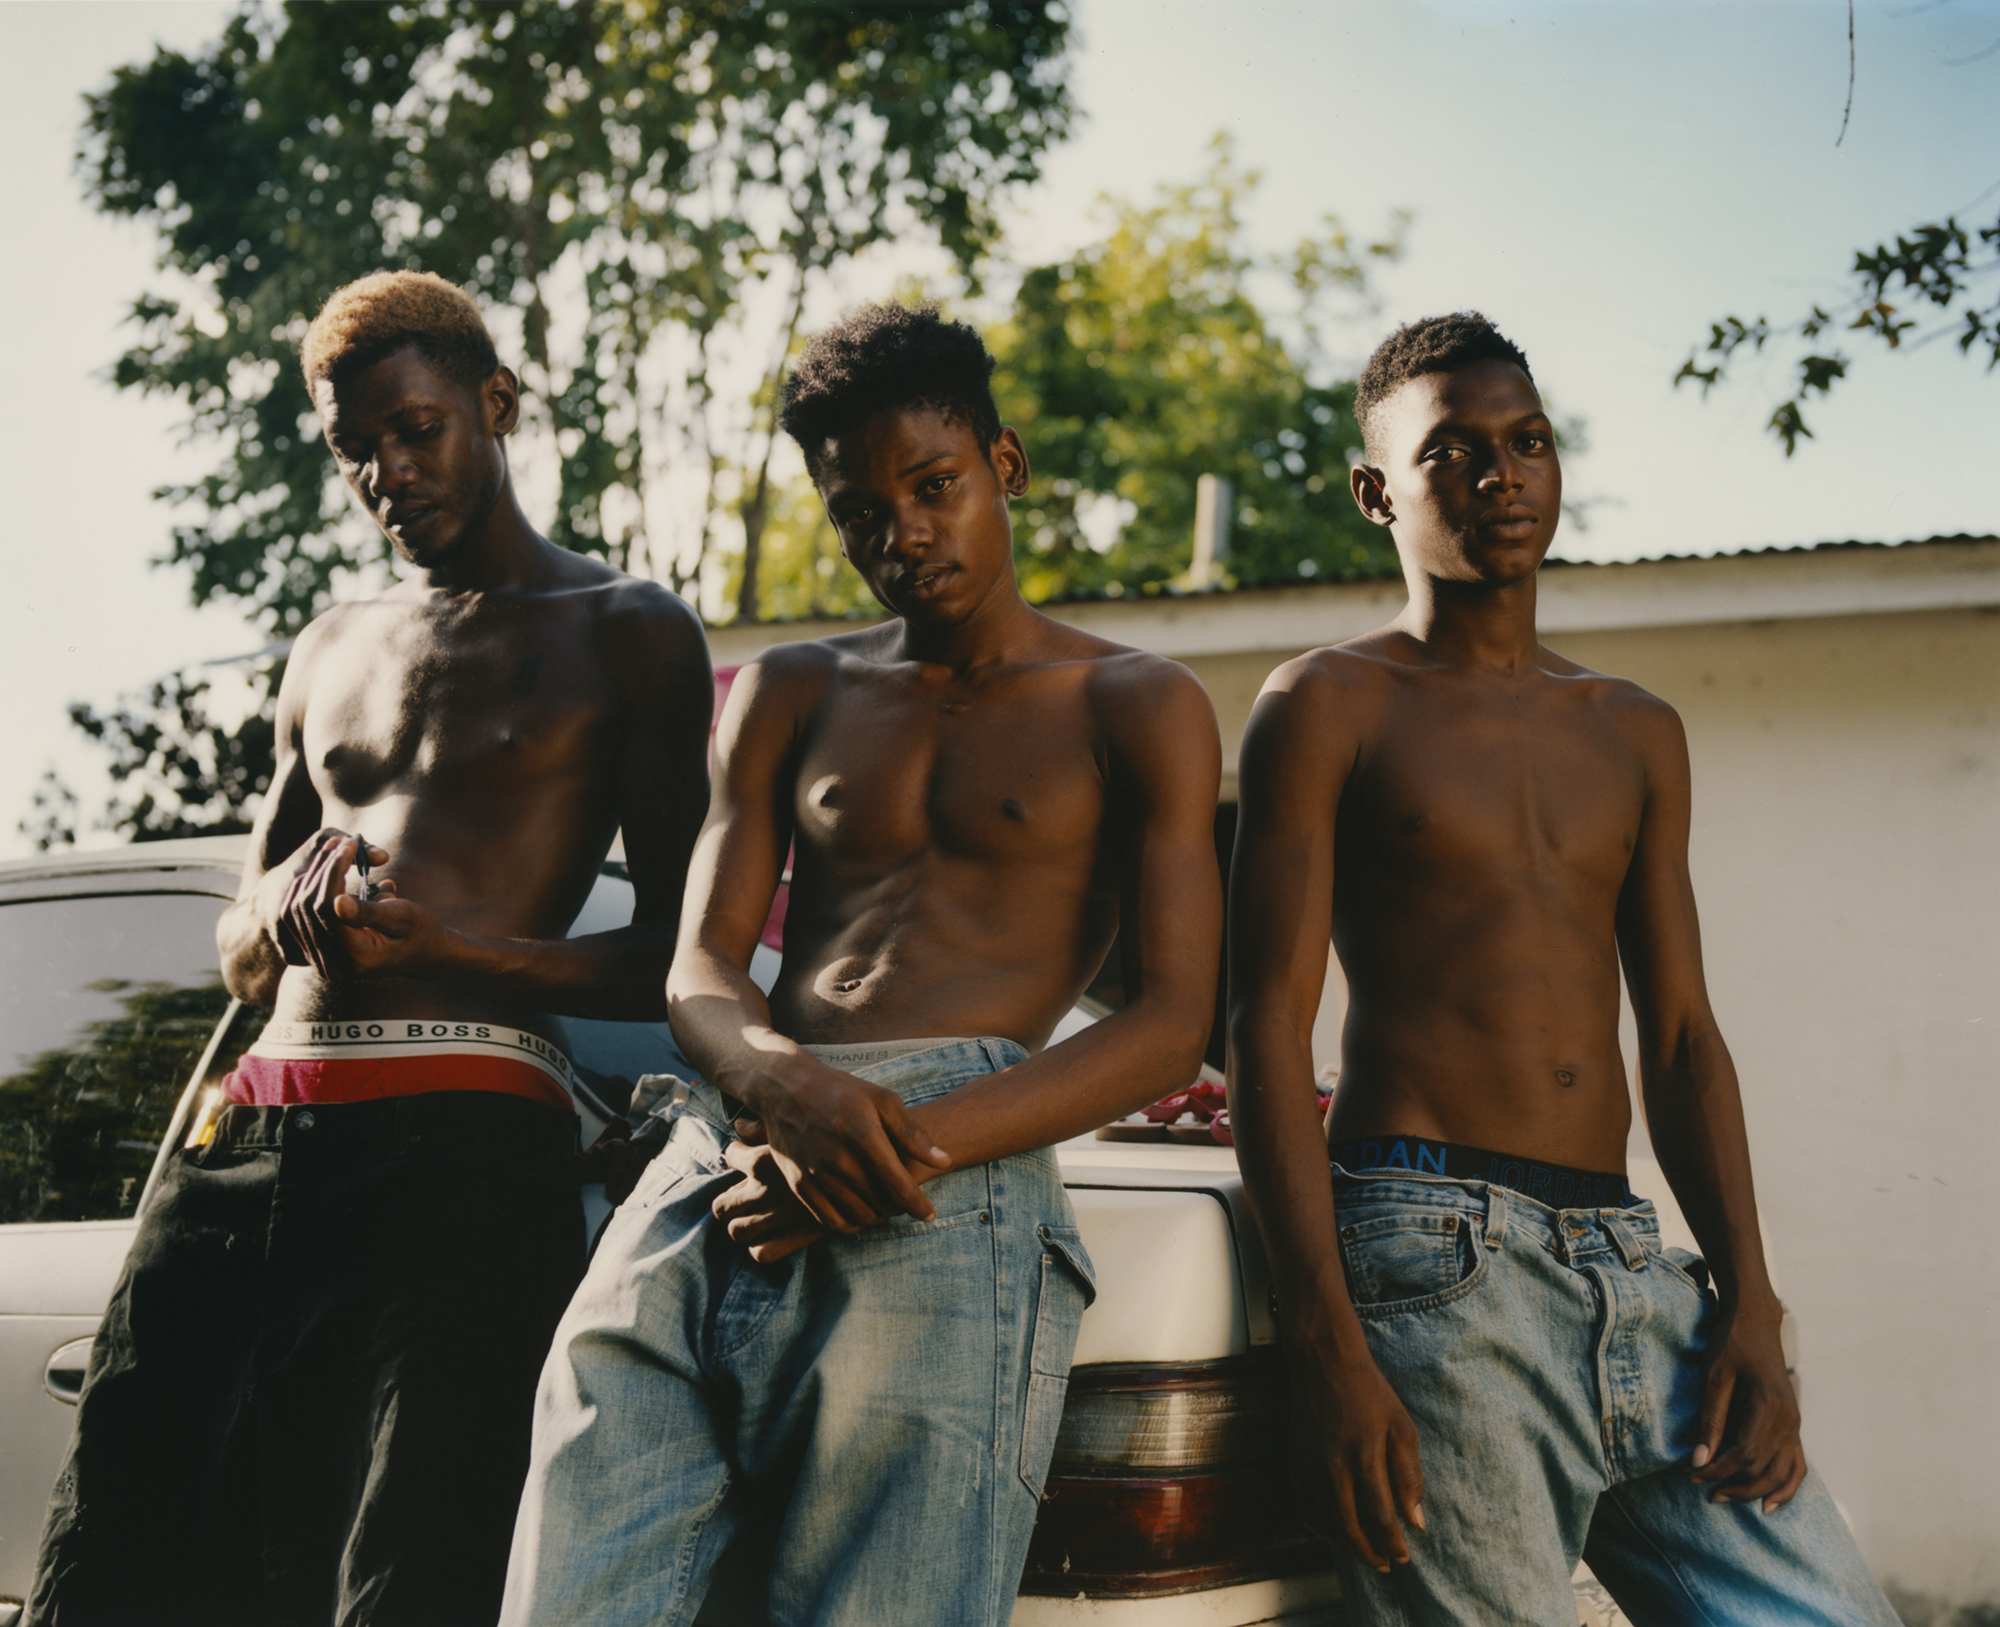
<point x="112" y="1014"/>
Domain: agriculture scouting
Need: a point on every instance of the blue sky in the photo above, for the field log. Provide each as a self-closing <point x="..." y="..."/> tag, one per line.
<point x="1602" y="179"/>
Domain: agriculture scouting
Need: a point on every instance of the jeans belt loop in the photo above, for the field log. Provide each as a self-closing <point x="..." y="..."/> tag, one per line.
<point x="1496" y="1216"/>
<point x="1627" y="1241"/>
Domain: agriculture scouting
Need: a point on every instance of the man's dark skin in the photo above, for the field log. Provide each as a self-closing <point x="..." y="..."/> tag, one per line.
<point x="489" y="723"/>
<point x="1489" y="828"/>
<point x="978" y="797"/>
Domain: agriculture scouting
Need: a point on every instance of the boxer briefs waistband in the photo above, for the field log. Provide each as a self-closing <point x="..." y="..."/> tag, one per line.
<point x="1560" y="1186"/>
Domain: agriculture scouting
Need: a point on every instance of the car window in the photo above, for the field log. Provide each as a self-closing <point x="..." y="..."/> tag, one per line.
<point x="106" y="1004"/>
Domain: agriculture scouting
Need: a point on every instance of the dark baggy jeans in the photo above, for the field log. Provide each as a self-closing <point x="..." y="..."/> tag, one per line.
<point x="310" y="1398"/>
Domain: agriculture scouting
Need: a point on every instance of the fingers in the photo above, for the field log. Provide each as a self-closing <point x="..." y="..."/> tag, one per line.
<point x="882" y="1172"/>
<point x="910" y="1140"/>
<point x="751" y="1131"/>
<point x="1406" y="1472"/>
<point x="1710" y="1421"/>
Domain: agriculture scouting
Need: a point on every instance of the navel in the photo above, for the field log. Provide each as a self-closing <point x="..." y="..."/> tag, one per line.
<point x="1565" y="1078"/>
<point x="1013" y="810"/>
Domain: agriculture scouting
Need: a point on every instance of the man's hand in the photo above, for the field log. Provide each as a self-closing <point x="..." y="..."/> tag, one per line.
<point x="1748" y="1430"/>
<point x="762" y="1212"/>
<point x="847" y="1149"/>
<point x="297" y="901"/>
<point x="1356" y="1453"/>
<point x="314" y="919"/>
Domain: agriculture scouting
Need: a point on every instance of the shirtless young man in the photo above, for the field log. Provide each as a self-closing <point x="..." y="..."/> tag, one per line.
<point x="1495" y="1366"/>
<point x="310" y="1399"/>
<point x="976" y="797"/>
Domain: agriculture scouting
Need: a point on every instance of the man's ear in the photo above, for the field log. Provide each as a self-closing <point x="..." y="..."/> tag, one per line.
<point x="500" y="401"/>
<point x="1371" y="494"/>
<point x="1010" y="462"/>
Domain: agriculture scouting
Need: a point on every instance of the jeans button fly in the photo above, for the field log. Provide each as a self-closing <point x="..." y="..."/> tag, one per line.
<point x="304" y="1121"/>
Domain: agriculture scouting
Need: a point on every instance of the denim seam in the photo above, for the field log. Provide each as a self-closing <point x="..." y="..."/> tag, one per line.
<point x="1660" y="1553"/>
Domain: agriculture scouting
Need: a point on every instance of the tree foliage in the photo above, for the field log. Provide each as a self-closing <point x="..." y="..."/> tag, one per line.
<point x="1148" y="360"/>
<point x="1946" y="281"/>
<point x="648" y="189"/>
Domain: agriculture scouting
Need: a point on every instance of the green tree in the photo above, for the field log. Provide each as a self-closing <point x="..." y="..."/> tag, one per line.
<point x="1935" y="273"/>
<point x="1148" y="360"/>
<point x="644" y="195"/>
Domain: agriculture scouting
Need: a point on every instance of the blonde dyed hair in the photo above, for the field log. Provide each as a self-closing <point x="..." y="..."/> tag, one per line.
<point x="380" y="314"/>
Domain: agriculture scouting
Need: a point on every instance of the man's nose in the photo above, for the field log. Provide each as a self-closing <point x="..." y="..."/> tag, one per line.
<point x="390" y="470"/>
<point x="1502" y="472"/>
<point x="909" y="532"/>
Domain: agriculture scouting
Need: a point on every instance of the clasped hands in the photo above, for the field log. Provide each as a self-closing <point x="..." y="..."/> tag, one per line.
<point x="313" y="919"/>
<point x="834" y="1155"/>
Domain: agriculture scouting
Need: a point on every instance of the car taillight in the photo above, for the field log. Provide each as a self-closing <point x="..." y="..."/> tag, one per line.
<point x="1167" y="1479"/>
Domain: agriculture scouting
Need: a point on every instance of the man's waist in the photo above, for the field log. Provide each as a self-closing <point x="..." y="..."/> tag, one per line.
<point x="1560" y="1186"/>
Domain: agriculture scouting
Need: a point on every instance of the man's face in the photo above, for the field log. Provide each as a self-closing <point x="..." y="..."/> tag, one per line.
<point x="1469" y="477"/>
<point x="421" y="451"/>
<point x="921" y="510"/>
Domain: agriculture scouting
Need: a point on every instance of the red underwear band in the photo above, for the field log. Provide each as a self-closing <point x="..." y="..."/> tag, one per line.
<point x="360" y="1061"/>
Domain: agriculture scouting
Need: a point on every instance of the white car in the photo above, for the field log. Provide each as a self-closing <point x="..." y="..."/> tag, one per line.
<point x="1167" y="1501"/>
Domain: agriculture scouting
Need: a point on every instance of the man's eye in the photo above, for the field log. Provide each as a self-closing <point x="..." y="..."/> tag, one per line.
<point x="936" y="485"/>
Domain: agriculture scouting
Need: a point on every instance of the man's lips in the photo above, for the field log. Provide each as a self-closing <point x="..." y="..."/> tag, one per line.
<point x="927" y="579"/>
<point x="1509" y="518"/>
<point x="402" y="517"/>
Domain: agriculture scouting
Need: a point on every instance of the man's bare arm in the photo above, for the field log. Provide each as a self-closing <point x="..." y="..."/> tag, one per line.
<point x="1166" y="760"/>
<point x="1359" y="1446"/>
<point x="274" y="921"/>
<point x="842" y="1143"/>
<point x="1749" y="1445"/>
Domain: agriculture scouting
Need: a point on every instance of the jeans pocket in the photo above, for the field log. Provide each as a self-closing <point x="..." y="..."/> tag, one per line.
<point x="1067" y="1285"/>
<point x="1411" y="1261"/>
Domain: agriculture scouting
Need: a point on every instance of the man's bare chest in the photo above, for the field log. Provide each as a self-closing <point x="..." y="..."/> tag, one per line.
<point x="1478" y="794"/>
<point x="475" y="709"/>
<point x="998" y="777"/>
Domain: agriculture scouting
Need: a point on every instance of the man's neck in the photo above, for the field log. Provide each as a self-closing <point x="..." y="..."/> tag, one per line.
<point x="503" y="551"/>
<point x="1000" y="630"/>
<point x="1474" y="624"/>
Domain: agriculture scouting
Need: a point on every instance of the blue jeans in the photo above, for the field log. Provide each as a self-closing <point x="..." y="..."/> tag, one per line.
<point x="1551" y="1361"/>
<point x="874" y="1414"/>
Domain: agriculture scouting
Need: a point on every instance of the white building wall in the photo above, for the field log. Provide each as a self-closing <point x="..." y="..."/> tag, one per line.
<point x="1846" y="858"/>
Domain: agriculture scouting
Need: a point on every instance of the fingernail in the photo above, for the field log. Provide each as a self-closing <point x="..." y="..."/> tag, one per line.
<point x="1419" y="1512"/>
<point x="1702" y="1455"/>
<point x="1384" y="1569"/>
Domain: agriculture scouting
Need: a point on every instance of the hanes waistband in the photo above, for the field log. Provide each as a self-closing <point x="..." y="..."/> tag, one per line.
<point x="1560" y="1186"/>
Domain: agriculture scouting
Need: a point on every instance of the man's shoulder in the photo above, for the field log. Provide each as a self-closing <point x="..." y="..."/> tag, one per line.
<point x="1341" y="675"/>
<point x="1620" y="699"/>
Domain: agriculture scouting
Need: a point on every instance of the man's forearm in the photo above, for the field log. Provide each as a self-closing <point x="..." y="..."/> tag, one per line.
<point x="1135" y="1056"/>
<point x="252" y="967"/>
<point x="1694" y="1111"/>
<point x="1281" y="1147"/>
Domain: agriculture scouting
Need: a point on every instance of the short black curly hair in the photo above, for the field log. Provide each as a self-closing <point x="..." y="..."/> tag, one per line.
<point x="1434" y="344"/>
<point x="881" y="358"/>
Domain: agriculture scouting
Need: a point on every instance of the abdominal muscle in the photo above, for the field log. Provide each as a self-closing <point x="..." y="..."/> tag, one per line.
<point x="1522" y="1056"/>
<point x="962" y="954"/>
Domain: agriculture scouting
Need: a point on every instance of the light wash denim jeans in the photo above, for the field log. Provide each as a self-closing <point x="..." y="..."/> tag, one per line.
<point x="1551" y="1361"/>
<point x="873" y="1416"/>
